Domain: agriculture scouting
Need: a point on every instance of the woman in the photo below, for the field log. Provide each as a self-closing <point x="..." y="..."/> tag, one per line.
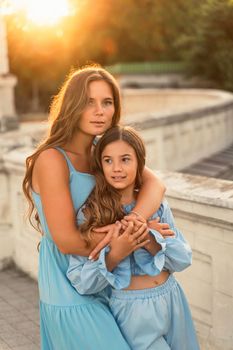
<point x="58" y="180"/>
<point x="146" y="300"/>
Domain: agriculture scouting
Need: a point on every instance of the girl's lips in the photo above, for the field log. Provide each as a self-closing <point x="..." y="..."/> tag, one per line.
<point x="118" y="178"/>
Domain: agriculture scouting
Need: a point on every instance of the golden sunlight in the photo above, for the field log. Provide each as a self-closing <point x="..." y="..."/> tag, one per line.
<point x="43" y="12"/>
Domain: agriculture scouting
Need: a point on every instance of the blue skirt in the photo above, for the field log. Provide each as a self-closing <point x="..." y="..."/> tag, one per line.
<point x="82" y="327"/>
<point x="68" y="320"/>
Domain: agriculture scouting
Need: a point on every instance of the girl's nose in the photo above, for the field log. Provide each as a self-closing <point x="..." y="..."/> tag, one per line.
<point x="117" y="166"/>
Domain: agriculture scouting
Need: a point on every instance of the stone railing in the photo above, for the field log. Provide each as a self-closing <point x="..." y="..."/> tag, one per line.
<point x="203" y="210"/>
<point x="180" y="126"/>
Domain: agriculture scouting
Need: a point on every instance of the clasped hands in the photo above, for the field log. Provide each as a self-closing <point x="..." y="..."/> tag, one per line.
<point x="129" y="235"/>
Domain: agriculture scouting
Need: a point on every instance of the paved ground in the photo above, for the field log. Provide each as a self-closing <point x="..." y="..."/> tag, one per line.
<point x="19" y="314"/>
<point x="219" y="165"/>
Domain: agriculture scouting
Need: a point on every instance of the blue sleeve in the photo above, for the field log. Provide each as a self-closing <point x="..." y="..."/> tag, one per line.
<point x="175" y="254"/>
<point x="90" y="277"/>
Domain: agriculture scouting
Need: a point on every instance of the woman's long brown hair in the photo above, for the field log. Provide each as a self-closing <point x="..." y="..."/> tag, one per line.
<point x="104" y="206"/>
<point x="66" y="108"/>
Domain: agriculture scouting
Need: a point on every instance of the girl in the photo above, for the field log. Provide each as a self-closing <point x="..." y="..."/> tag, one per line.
<point x="57" y="182"/>
<point x="146" y="300"/>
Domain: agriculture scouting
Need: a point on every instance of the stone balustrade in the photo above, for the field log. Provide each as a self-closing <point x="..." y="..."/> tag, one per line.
<point x="203" y="210"/>
<point x="180" y="127"/>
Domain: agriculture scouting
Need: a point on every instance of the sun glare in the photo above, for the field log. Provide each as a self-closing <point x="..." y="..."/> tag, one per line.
<point x="42" y="12"/>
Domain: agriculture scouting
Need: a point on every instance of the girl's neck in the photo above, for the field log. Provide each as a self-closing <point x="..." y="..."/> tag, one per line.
<point x="127" y="197"/>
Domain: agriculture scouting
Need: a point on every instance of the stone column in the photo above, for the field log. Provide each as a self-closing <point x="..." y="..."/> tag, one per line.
<point x="4" y="65"/>
<point x="8" y="118"/>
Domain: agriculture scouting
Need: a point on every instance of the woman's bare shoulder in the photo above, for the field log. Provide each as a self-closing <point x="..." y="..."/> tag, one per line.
<point x="50" y="164"/>
<point x="50" y="157"/>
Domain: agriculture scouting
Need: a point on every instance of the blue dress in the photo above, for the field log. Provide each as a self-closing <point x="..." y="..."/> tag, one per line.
<point x="68" y="320"/>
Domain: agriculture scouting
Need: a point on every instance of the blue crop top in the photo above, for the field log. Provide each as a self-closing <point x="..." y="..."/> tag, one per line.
<point x="89" y="277"/>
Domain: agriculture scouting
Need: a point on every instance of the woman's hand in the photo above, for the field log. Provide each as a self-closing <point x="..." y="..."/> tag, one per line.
<point x="162" y="228"/>
<point x="107" y="232"/>
<point x="136" y="218"/>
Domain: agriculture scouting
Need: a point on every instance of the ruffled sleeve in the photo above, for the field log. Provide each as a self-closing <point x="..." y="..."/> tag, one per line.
<point x="175" y="254"/>
<point x="120" y="277"/>
<point x="151" y="265"/>
<point x="90" y="277"/>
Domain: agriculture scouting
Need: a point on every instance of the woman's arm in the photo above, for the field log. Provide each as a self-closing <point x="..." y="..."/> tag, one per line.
<point x="150" y="195"/>
<point x="51" y="180"/>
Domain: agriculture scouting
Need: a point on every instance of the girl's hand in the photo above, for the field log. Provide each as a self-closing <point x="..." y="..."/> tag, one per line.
<point x="162" y="228"/>
<point x="130" y="240"/>
<point x="108" y="231"/>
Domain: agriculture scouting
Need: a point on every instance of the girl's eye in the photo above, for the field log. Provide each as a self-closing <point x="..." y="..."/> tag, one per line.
<point x="108" y="160"/>
<point x="126" y="159"/>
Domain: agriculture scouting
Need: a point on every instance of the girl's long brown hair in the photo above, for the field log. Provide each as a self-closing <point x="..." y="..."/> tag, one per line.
<point x="103" y="206"/>
<point x="66" y="108"/>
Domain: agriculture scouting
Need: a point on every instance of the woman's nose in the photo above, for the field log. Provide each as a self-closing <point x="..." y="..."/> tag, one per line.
<point x="98" y="109"/>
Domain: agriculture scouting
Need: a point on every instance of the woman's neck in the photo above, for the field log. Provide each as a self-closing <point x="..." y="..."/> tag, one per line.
<point x="81" y="144"/>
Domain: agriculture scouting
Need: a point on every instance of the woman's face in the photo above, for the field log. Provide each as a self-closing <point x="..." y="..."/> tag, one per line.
<point x="98" y="114"/>
<point x="119" y="163"/>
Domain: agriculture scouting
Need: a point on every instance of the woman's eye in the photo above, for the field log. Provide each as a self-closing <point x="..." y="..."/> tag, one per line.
<point x="90" y="102"/>
<point x="108" y="161"/>
<point x="108" y="103"/>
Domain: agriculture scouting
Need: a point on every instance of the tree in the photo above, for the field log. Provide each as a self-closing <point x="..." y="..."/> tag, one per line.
<point x="209" y="49"/>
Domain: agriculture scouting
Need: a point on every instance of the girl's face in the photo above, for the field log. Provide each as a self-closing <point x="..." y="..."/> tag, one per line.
<point x="98" y="114"/>
<point x="120" y="164"/>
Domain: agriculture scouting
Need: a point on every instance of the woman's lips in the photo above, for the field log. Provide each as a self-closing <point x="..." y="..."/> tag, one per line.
<point x="98" y="123"/>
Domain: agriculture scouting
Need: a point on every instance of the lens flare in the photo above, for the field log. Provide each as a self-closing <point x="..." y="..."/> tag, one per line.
<point x="41" y="12"/>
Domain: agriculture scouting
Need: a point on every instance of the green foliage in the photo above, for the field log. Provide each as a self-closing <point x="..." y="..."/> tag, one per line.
<point x="208" y="50"/>
<point x="129" y="30"/>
